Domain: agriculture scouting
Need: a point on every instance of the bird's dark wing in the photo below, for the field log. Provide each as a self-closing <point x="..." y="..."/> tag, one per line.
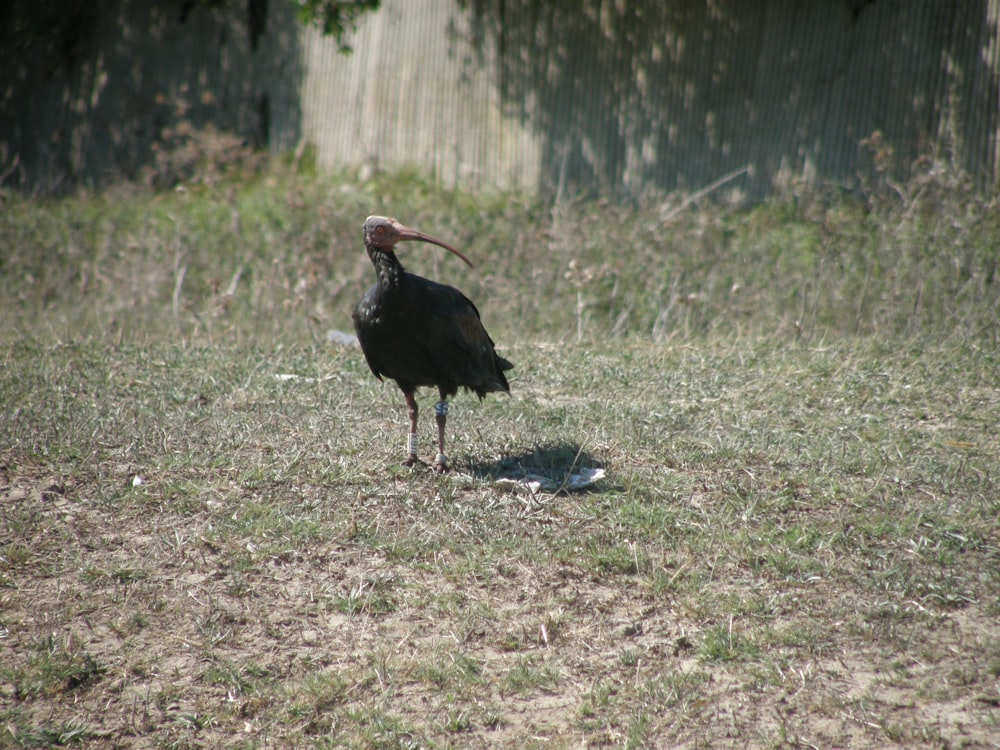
<point x="365" y="317"/>
<point x="457" y="341"/>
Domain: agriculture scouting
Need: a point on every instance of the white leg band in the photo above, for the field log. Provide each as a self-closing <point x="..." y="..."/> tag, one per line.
<point x="411" y="443"/>
<point x="441" y="459"/>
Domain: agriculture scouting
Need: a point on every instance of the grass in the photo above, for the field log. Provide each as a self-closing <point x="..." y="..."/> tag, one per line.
<point x="795" y="544"/>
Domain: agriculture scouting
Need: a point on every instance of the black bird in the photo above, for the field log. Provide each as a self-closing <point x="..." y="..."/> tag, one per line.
<point x="419" y="332"/>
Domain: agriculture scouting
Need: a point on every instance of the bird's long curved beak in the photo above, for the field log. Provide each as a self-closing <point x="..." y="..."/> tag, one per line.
<point x="405" y="233"/>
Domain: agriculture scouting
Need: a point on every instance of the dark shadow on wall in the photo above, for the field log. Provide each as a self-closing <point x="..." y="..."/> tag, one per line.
<point x="640" y="95"/>
<point x="94" y="92"/>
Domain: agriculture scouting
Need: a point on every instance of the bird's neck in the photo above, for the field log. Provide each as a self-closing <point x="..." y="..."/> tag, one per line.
<point x="387" y="266"/>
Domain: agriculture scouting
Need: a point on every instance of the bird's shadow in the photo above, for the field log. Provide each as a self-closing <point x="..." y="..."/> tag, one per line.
<point x="554" y="461"/>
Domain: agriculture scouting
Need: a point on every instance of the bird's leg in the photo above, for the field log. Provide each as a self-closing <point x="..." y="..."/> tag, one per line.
<point x="441" y="416"/>
<point x="411" y="438"/>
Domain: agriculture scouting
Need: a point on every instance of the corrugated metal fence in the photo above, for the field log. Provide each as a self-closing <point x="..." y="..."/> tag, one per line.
<point x="624" y="98"/>
<point x="620" y="98"/>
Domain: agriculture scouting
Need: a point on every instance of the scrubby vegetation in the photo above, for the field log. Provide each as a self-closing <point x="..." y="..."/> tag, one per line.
<point x="795" y="543"/>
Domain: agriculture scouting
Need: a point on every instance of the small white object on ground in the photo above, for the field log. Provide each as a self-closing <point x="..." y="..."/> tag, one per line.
<point x="536" y="483"/>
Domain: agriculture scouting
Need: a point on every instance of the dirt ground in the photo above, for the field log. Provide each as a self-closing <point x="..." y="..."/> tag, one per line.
<point x="163" y="641"/>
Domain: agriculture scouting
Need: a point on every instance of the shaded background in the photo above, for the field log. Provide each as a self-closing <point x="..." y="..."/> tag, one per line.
<point x="93" y="92"/>
<point x="609" y="97"/>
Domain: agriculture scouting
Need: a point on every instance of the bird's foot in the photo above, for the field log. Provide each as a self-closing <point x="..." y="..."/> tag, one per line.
<point x="411" y="460"/>
<point x="440" y="465"/>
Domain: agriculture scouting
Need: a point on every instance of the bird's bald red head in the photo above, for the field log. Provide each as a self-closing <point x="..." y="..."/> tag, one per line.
<point x="383" y="232"/>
